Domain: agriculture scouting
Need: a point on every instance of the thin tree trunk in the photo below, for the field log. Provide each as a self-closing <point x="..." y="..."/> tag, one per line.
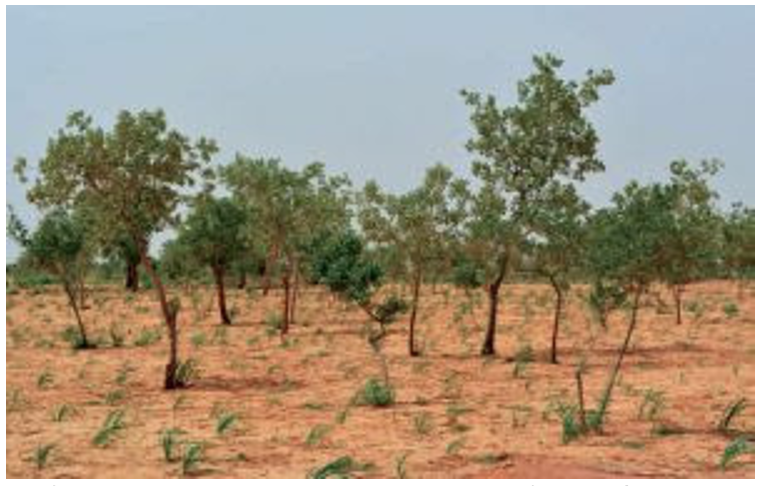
<point x="285" y="317"/>
<point x="414" y="307"/>
<point x="293" y="306"/>
<point x="557" y="315"/>
<point x="170" y="314"/>
<point x="219" y="275"/>
<point x="605" y="400"/>
<point x="131" y="275"/>
<point x="75" y="308"/>
<point x="581" y="404"/>
<point x="489" y="348"/>
<point x="678" y="290"/>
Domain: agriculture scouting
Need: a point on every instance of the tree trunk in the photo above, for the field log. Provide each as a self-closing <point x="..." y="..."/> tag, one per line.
<point x="242" y="280"/>
<point x="605" y="400"/>
<point x="678" y="290"/>
<point x="131" y="275"/>
<point x="285" y="280"/>
<point x="581" y="404"/>
<point x="75" y="308"/>
<point x="293" y="306"/>
<point x="557" y="315"/>
<point x="414" y="307"/>
<point x="494" y="288"/>
<point x="170" y="314"/>
<point x="219" y="274"/>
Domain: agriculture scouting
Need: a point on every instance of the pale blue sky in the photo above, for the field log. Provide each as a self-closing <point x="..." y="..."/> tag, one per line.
<point x="374" y="91"/>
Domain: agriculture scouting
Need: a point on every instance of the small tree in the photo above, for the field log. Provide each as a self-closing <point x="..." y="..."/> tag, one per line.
<point x="625" y="245"/>
<point x="130" y="178"/>
<point x="545" y="137"/>
<point x="739" y="247"/>
<point x="58" y="246"/>
<point x="693" y="241"/>
<point x="559" y="246"/>
<point x="214" y="234"/>
<point x="415" y="226"/>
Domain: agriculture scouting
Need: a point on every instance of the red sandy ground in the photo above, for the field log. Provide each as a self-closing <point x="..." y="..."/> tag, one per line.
<point x="480" y="420"/>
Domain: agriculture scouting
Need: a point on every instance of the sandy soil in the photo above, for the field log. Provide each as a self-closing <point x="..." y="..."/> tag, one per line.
<point x="456" y="414"/>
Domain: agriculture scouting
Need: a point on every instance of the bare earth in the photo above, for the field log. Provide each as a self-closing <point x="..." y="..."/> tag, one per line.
<point x="477" y="417"/>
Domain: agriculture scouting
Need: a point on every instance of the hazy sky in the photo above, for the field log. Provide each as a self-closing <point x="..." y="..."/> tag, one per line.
<point x="374" y="91"/>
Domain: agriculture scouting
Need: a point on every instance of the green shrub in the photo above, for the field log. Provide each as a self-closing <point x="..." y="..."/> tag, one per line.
<point x="168" y="439"/>
<point x="193" y="454"/>
<point x="341" y="468"/>
<point x="731" y="310"/>
<point x="186" y="373"/>
<point x="377" y="393"/>
<point x="735" y="449"/>
<point x="225" y="421"/>
<point x="41" y="455"/>
<point x="148" y="337"/>
<point x="317" y="434"/>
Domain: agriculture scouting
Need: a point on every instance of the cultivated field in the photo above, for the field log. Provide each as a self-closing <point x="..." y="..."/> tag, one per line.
<point x="267" y="407"/>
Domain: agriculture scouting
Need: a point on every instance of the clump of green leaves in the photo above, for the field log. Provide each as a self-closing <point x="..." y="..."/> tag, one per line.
<point x="113" y="423"/>
<point x="170" y="443"/>
<point x="523" y="357"/>
<point x="731" y="310"/>
<point x="192" y="455"/>
<point x="45" y="379"/>
<point x="225" y="421"/>
<point x="186" y="373"/>
<point x="377" y="393"/>
<point x="317" y="434"/>
<point x="423" y="423"/>
<point x="341" y="468"/>
<point x="73" y="337"/>
<point x="148" y="337"/>
<point x="273" y="323"/>
<point x="41" y="455"/>
<point x="62" y="411"/>
<point x="652" y="404"/>
<point x="738" y="447"/>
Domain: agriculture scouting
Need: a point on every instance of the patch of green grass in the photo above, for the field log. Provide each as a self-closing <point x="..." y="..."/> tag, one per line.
<point x="315" y="406"/>
<point x="738" y="447"/>
<point x="341" y="468"/>
<point x="192" y="455"/>
<point x="317" y="434"/>
<point x="170" y="443"/>
<point x="147" y="337"/>
<point x="522" y="359"/>
<point x="491" y="458"/>
<point x="730" y="310"/>
<point x="72" y="336"/>
<point x="225" y="421"/>
<point x="273" y="323"/>
<point x="187" y="372"/>
<point x="113" y="397"/>
<point x="663" y="430"/>
<point x="199" y="339"/>
<point x="45" y="379"/>
<point x="113" y="423"/>
<point x="376" y="393"/>
<point x="41" y="455"/>
<point x="400" y="467"/>
<point x="652" y="404"/>
<point x="61" y="412"/>
<point x="455" y="446"/>
<point x="423" y="423"/>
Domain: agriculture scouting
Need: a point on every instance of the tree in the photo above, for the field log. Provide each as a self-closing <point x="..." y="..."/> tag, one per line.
<point x="558" y="247"/>
<point x="58" y="246"/>
<point x="285" y="209"/>
<point x="415" y="226"/>
<point x="214" y="234"/>
<point x="739" y="246"/>
<point x="626" y="242"/>
<point x="693" y="241"/>
<point x="523" y="149"/>
<point x="132" y="178"/>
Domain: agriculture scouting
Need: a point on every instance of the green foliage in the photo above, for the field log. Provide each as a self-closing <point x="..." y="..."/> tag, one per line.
<point x="73" y="337"/>
<point x="423" y="423"/>
<point x="730" y="310"/>
<point x="341" y="468"/>
<point x="736" y="448"/>
<point x="225" y="421"/>
<point x="317" y="434"/>
<point x="113" y="423"/>
<point x="62" y="411"/>
<point x="377" y="393"/>
<point x="192" y="455"/>
<point x="523" y="357"/>
<point x="147" y="337"/>
<point x="186" y="373"/>
<point x="41" y="455"/>
<point x="170" y="443"/>
<point x="653" y="402"/>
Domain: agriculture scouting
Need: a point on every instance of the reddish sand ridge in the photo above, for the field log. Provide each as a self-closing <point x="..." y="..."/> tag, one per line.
<point x="456" y="414"/>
